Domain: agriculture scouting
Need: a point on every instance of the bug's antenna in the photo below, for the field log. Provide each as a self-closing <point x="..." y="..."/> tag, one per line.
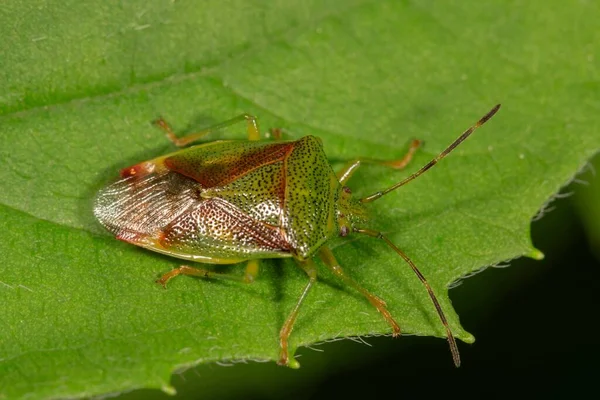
<point x="431" y="163"/>
<point x="438" y="308"/>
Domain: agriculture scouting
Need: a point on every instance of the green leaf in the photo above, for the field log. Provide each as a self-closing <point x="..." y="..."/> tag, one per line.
<point x="81" y="81"/>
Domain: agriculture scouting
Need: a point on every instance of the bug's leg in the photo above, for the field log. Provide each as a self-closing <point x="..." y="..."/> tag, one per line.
<point x="251" y="127"/>
<point x="346" y="173"/>
<point x="285" y="358"/>
<point x="327" y="256"/>
<point x="434" y="300"/>
<point x="248" y="277"/>
<point x="276" y="133"/>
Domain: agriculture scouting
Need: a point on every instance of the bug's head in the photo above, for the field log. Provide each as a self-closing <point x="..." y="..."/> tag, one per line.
<point x="350" y="212"/>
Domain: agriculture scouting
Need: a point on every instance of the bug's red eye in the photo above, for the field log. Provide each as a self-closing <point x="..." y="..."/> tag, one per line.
<point x="344" y="231"/>
<point x="346" y="189"/>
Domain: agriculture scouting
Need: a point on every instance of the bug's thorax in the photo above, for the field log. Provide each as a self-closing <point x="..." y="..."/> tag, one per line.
<point x="350" y="212"/>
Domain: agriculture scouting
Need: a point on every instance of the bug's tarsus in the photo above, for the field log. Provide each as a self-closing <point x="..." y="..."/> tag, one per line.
<point x="431" y="163"/>
<point x="404" y="161"/>
<point x="276" y="133"/>
<point x="164" y="125"/>
<point x="434" y="300"/>
<point x="173" y="273"/>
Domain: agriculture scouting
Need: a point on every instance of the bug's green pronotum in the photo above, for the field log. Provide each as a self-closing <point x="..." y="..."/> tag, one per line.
<point x="227" y="202"/>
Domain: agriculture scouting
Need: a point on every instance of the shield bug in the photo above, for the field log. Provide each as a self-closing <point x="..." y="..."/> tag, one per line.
<point x="227" y="201"/>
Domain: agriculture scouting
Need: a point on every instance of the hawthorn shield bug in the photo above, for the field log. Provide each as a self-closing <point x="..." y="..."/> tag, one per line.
<point x="226" y="202"/>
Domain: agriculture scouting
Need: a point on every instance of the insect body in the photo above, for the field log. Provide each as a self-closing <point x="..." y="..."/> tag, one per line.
<point x="226" y="202"/>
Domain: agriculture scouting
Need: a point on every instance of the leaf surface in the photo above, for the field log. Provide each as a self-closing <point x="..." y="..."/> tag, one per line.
<point x="80" y="83"/>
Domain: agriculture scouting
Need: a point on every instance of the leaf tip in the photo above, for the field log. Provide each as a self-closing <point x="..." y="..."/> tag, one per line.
<point x="467" y="338"/>
<point x="535" y="254"/>
<point x="168" y="389"/>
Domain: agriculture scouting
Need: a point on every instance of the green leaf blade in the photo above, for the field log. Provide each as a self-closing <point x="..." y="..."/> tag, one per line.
<point x="81" y="313"/>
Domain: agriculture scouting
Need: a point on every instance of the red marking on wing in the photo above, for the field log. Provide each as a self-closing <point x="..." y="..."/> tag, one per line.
<point x="138" y="170"/>
<point x="230" y="165"/>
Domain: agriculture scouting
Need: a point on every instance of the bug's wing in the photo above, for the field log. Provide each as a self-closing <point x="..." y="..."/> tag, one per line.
<point x="219" y="163"/>
<point x="249" y="175"/>
<point x="225" y="201"/>
<point x="218" y="229"/>
<point x="167" y="212"/>
<point x="135" y="209"/>
<point x="285" y="184"/>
